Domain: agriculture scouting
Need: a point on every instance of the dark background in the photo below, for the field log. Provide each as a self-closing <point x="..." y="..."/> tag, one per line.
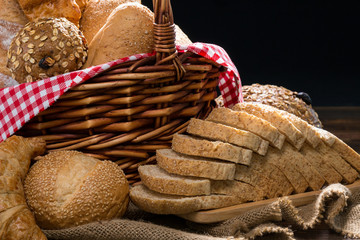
<point x="310" y="46"/>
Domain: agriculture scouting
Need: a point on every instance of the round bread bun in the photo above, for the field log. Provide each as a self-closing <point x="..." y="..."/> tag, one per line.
<point x="46" y="48"/>
<point x="68" y="188"/>
<point x="96" y="14"/>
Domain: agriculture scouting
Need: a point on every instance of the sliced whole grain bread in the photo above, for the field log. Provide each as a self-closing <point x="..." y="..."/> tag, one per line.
<point x="348" y="173"/>
<point x="249" y="122"/>
<point x="289" y="167"/>
<point x="158" y="180"/>
<point x="159" y="203"/>
<point x="311" y="175"/>
<point x="243" y="191"/>
<point x="345" y="151"/>
<point x="264" y="176"/>
<point x="320" y="164"/>
<point x="276" y="118"/>
<point x="195" y="146"/>
<point x="185" y="165"/>
<point x="325" y="136"/>
<point x="220" y="132"/>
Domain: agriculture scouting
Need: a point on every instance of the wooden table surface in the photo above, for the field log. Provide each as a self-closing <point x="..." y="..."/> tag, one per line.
<point x="344" y="122"/>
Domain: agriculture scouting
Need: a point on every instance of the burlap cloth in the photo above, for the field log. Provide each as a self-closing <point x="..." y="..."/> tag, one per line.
<point x="336" y="206"/>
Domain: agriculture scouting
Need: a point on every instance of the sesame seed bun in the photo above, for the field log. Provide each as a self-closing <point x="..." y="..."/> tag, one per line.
<point x="69" y="188"/>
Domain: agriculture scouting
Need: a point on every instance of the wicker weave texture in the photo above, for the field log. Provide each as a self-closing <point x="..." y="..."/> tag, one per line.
<point x="129" y="111"/>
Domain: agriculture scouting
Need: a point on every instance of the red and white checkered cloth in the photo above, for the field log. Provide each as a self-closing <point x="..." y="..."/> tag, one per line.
<point x="21" y="103"/>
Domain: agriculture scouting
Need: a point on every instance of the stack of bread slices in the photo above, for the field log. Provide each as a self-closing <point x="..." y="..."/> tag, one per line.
<point x="248" y="153"/>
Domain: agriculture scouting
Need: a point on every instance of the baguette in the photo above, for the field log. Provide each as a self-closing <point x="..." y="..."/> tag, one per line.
<point x="158" y="203"/>
<point x="249" y="122"/>
<point x="184" y="165"/>
<point x="276" y="118"/>
<point x="158" y="180"/>
<point x="212" y="149"/>
<point x="238" y="137"/>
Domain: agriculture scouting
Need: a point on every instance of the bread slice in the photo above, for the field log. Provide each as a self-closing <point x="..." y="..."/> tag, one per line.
<point x="195" y="146"/>
<point x="289" y="167"/>
<point x="158" y="180"/>
<point x="249" y="122"/>
<point x="158" y="203"/>
<point x="325" y="136"/>
<point x="238" y="137"/>
<point x="345" y="151"/>
<point x="311" y="175"/>
<point x="265" y="176"/>
<point x="320" y="164"/>
<point x="243" y="191"/>
<point x="276" y="118"/>
<point x="184" y="165"/>
<point x="348" y="173"/>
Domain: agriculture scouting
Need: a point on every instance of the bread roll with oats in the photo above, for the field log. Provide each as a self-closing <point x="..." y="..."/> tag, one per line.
<point x="69" y="188"/>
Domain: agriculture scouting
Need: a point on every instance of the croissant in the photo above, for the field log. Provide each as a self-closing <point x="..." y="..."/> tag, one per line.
<point x="16" y="219"/>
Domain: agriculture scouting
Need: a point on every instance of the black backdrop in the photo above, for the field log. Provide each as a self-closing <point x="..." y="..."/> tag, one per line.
<point x="303" y="45"/>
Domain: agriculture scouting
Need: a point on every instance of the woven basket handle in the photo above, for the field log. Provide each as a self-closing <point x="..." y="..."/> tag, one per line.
<point x="164" y="36"/>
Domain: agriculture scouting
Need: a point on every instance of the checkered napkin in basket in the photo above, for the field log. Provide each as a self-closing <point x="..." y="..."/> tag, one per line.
<point x="20" y="103"/>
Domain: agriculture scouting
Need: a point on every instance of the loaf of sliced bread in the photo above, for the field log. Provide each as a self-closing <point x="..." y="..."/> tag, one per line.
<point x="278" y="120"/>
<point x="345" y="151"/>
<point x="289" y="167"/>
<point x="158" y="180"/>
<point x="195" y="146"/>
<point x="325" y="136"/>
<point x="320" y="164"/>
<point x="159" y="203"/>
<point x="220" y="132"/>
<point x="243" y="191"/>
<point x="311" y="175"/>
<point x="184" y="165"/>
<point x="348" y="173"/>
<point x="249" y="122"/>
<point x="266" y="176"/>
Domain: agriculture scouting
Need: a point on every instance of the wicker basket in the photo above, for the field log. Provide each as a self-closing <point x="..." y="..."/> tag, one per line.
<point x="129" y="111"/>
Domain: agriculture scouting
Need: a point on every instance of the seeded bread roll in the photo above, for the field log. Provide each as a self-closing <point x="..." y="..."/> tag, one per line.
<point x="297" y="103"/>
<point x="46" y="48"/>
<point x="69" y="188"/>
